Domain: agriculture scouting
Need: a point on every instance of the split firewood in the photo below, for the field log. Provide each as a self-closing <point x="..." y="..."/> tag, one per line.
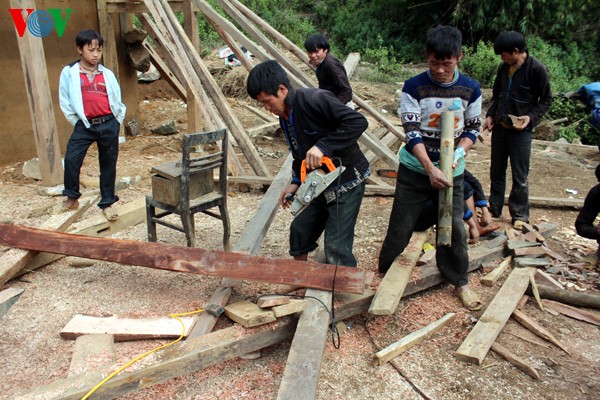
<point x="272" y="301"/>
<point x="534" y="327"/>
<point x="515" y="360"/>
<point x="125" y="329"/>
<point x="412" y="339"/>
<point x="592" y="317"/>
<point x="491" y="278"/>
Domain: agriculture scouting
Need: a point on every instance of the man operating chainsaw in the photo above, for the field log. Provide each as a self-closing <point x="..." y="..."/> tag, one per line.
<point x="316" y="125"/>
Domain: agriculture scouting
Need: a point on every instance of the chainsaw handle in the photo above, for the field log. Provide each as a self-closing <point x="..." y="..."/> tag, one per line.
<point x="325" y="160"/>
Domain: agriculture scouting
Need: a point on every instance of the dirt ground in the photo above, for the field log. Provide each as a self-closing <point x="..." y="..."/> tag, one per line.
<point x="33" y="353"/>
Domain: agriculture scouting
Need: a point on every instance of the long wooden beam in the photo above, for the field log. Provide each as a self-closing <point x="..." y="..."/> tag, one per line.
<point x="35" y="73"/>
<point x="186" y="259"/>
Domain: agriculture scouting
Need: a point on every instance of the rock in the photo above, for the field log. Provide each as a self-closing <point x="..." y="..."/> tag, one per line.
<point x="562" y="140"/>
<point x="132" y="128"/>
<point x="31" y="169"/>
<point x="167" y="128"/>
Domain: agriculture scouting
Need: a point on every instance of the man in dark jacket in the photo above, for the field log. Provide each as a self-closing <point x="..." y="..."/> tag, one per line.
<point x="330" y="71"/>
<point x="584" y="224"/>
<point x="317" y="124"/>
<point x="521" y="96"/>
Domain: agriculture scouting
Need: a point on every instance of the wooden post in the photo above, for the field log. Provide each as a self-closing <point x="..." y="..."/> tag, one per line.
<point x="444" y="227"/>
<point x="45" y="132"/>
<point x="190" y="24"/>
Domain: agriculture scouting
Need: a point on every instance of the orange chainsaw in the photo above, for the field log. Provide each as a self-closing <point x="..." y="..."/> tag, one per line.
<point x="313" y="184"/>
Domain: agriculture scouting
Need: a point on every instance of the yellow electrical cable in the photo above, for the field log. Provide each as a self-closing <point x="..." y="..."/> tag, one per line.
<point x="174" y="316"/>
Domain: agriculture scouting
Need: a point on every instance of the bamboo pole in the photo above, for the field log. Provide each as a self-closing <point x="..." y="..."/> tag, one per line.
<point x="444" y="227"/>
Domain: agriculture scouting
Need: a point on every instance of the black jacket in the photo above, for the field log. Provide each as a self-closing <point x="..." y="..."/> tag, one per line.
<point x="319" y="119"/>
<point x="527" y="93"/>
<point x="584" y="224"/>
<point x="332" y="76"/>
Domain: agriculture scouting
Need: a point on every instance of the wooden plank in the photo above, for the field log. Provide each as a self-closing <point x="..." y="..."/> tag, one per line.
<point x="167" y="20"/>
<point x="514" y="360"/>
<point x="531" y="262"/>
<point x="263" y="129"/>
<point x="293" y="307"/>
<point x="552" y="202"/>
<point x="351" y="63"/>
<point x="260" y="113"/>
<point x="491" y="278"/>
<point x="412" y="339"/>
<point x="272" y="301"/>
<point x="186" y="259"/>
<point x="35" y="73"/>
<point x="126" y="329"/>
<point x="249" y="314"/>
<point x="92" y="353"/>
<point x="518" y="244"/>
<point x="530" y="251"/>
<point x="301" y="373"/>
<point x="536" y="328"/>
<point x="394" y="282"/>
<point x="383" y="152"/>
<point x="107" y="30"/>
<point x="484" y="333"/>
<point x="545" y="279"/>
<point x="592" y="317"/>
<point x="8" y="297"/>
<point x="190" y="23"/>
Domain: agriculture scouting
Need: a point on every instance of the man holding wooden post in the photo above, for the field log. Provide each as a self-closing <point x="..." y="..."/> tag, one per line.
<point x="440" y="92"/>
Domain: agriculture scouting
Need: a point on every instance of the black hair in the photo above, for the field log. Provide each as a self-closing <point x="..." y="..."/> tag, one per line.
<point x="598" y="172"/>
<point x="316" y="42"/>
<point x="87" y="36"/>
<point x="508" y="41"/>
<point x="266" y="77"/>
<point x="443" y="42"/>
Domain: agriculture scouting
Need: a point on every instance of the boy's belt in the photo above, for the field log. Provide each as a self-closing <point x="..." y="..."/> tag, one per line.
<point x="100" y="120"/>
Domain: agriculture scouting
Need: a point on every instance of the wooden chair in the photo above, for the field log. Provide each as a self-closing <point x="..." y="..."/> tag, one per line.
<point x="186" y="187"/>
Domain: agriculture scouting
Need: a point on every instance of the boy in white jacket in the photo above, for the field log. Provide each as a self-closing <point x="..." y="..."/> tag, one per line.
<point x="90" y="98"/>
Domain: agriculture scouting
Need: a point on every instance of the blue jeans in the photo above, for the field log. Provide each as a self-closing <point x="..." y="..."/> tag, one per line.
<point x="106" y="136"/>
<point x="516" y="145"/>
<point x="415" y="208"/>
<point x="337" y="219"/>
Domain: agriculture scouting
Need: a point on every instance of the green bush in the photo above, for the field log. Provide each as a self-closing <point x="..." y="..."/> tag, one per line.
<point x="481" y="63"/>
<point x="578" y="126"/>
<point x="567" y="67"/>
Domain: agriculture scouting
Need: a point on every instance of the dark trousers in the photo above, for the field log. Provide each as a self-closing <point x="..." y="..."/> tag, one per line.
<point x="516" y="146"/>
<point x="106" y="136"/>
<point x="337" y="219"/>
<point x="414" y="195"/>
